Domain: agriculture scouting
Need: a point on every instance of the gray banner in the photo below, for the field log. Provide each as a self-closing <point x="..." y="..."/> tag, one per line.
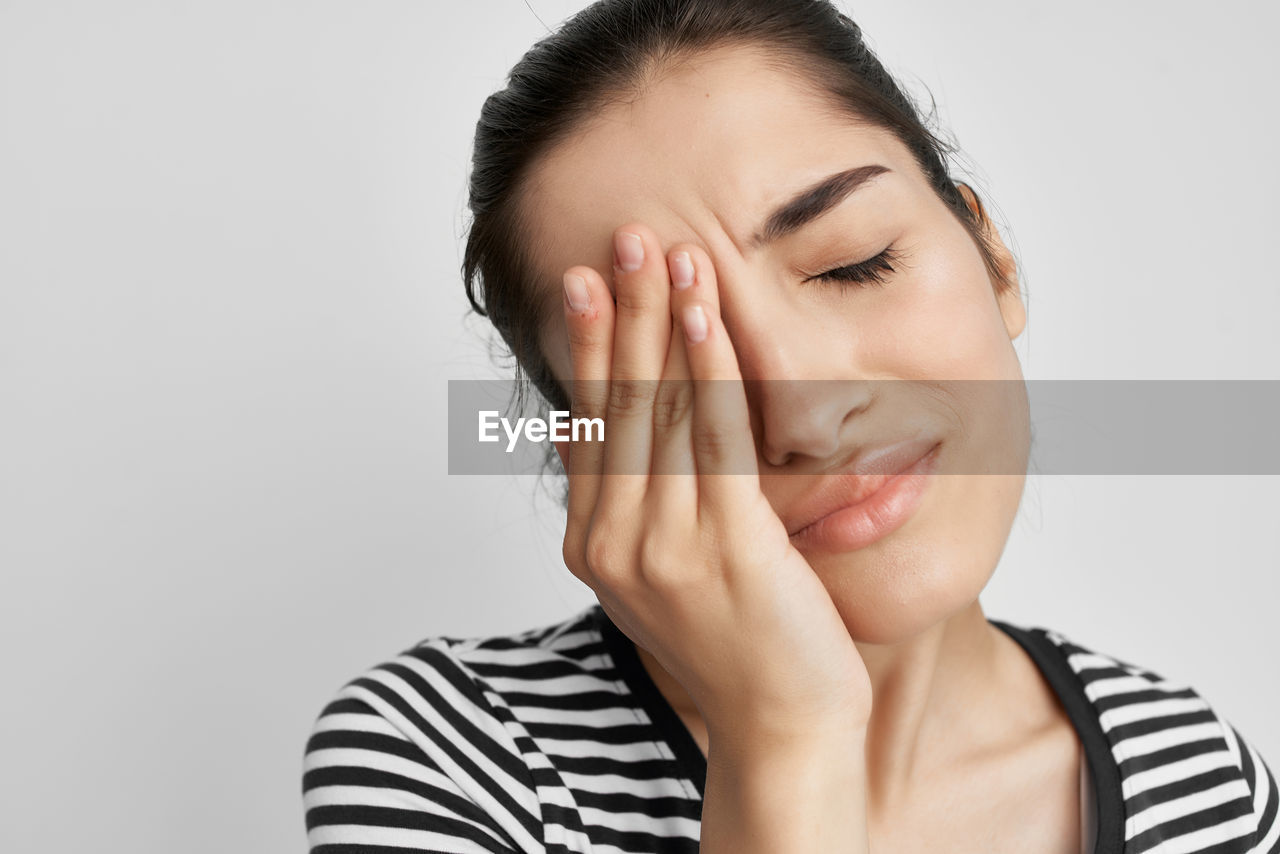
<point x="984" y="427"/>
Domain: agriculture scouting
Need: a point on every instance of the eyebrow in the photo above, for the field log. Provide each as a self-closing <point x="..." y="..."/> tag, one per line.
<point x="813" y="202"/>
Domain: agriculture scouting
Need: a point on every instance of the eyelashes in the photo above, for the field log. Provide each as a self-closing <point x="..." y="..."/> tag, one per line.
<point x="864" y="274"/>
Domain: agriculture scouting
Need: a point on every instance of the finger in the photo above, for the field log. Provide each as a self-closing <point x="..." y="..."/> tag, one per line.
<point x="724" y="448"/>
<point x="642" y="333"/>
<point x="673" y="484"/>
<point x="589" y="319"/>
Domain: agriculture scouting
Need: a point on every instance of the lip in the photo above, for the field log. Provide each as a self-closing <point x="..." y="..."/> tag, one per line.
<point x="875" y="496"/>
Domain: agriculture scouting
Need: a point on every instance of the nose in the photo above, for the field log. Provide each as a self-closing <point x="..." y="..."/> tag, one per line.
<point x="805" y="418"/>
<point x="803" y="397"/>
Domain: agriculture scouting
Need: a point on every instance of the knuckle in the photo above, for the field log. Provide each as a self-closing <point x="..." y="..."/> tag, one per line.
<point x="572" y="555"/>
<point x="590" y="408"/>
<point x="632" y="297"/>
<point x="653" y="552"/>
<point x="710" y="444"/>
<point x="584" y="340"/>
<point x="659" y="566"/>
<point x="601" y="553"/>
<point x="629" y="396"/>
<point x="736" y="551"/>
<point x="673" y="404"/>
<point x="588" y="398"/>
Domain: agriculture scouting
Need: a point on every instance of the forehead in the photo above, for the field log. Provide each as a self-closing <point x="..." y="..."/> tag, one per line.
<point x="701" y="154"/>
<point x="704" y="151"/>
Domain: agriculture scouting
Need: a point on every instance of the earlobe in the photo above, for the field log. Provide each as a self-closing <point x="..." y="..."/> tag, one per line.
<point x="1012" y="310"/>
<point x="1008" y="295"/>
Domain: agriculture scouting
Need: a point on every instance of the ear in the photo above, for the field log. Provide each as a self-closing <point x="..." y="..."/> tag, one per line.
<point x="1008" y="296"/>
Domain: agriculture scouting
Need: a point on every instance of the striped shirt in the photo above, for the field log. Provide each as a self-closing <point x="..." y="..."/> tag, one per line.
<point x="556" y="740"/>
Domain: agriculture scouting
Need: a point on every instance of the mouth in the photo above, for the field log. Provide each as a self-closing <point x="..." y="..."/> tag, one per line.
<point x="878" y="495"/>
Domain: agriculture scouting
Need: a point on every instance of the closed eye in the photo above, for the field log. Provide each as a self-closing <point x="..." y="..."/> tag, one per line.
<point x="868" y="273"/>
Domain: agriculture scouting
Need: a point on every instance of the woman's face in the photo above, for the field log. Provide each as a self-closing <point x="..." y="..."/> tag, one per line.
<point x="704" y="155"/>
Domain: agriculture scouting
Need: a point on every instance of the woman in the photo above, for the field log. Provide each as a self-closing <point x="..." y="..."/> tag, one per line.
<point x="721" y="227"/>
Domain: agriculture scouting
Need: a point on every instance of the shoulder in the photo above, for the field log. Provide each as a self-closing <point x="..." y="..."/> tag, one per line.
<point x="1182" y="770"/>
<point x="469" y="673"/>
<point x="428" y="739"/>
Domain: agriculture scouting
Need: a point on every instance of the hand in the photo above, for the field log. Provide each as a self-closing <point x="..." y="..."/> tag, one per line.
<point x="693" y="564"/>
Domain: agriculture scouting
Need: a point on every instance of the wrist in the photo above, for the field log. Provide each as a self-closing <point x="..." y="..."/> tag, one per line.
<point x="794" y="792"/>
<point x="809" y="748"/>
<point x="744" y="739"/>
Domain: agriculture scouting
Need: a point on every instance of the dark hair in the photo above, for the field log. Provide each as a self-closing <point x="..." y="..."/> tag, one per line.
<point x="609" y="50"/>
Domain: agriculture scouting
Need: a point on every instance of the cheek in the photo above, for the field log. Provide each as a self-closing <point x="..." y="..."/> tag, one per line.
<point x="930" y="569"/>
<point x="940" y="316"/>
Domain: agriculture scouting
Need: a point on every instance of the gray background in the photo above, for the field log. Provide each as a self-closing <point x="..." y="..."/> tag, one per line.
<point x="229" y="306"/>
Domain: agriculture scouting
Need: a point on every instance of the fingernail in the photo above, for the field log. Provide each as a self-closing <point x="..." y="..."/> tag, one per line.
<point x="695" y="323"/>
<point x="681" y="270"/>
<point x="575" y="291"/>
<point x="630" y="251"/>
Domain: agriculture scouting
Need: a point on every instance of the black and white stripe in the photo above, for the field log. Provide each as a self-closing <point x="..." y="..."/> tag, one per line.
<point x="1189" y="781"/>
<point x="555" y="740"/>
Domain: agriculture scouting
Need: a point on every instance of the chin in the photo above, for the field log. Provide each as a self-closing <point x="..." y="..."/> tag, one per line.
<point x="932" y="568"/>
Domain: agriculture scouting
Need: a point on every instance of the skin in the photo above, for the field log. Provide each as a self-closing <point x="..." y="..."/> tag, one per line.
<point x="963" y="737"/>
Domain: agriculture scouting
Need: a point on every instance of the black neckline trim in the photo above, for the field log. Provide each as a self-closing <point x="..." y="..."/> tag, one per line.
<point x="1043" y="652"/>
<point x="689" y="759"/>
<point x="1066" y="683"/>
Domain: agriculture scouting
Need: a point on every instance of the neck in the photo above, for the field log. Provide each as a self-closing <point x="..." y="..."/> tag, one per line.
<point x="936" y="696"/>
<point x="931" y="700"/>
